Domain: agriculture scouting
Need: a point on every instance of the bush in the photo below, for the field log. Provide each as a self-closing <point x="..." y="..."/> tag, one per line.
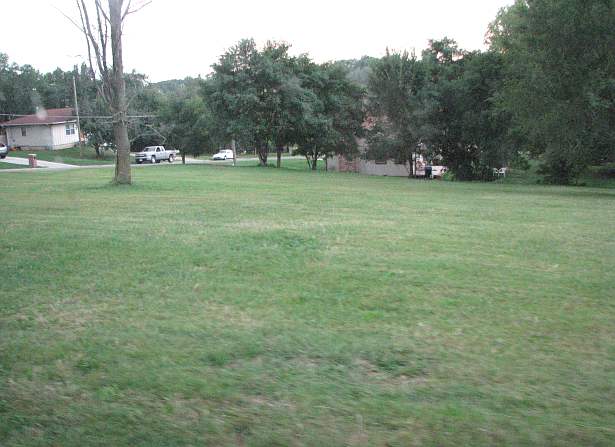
<point x="606" y="170"/>
<point x="448" y="176"/>
<point x="558" y="170"/>
<point x="521" y="161"/>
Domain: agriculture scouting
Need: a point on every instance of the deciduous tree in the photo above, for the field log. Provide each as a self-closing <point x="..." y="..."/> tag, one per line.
<point x="103" y="29"/>
<point x="560" y="80"/>
<point x="333" y="112"/>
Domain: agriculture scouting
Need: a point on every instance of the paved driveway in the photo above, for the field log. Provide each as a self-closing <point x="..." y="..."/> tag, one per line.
<point x="43" y="164"/>
<point x="60" y="166"/>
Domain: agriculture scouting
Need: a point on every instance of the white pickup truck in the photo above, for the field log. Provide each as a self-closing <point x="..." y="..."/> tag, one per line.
<point x="155" y="154"/>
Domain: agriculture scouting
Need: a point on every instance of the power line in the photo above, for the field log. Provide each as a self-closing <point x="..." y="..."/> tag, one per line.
<point x="81" y="116"/>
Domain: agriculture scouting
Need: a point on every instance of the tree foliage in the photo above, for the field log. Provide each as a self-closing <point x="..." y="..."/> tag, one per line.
<point x="333" y="112"/>
<point x="443" y="102"/>
<point x="560" y="80"/>
<point x="463" y="126"/>
<point x="186" y="121"/>
<point x="266" y="98"/>
<point x="23" y="90"/>
<point x="250" y="93"/>
<point x="396" y="88"/>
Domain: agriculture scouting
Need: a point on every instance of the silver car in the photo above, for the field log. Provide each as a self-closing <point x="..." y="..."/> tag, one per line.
<point x="4" y="151"/>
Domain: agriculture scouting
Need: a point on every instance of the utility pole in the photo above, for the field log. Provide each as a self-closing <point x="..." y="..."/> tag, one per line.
<point x="78" y="122"/>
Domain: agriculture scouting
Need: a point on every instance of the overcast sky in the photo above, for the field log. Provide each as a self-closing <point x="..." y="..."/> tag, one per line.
<point x="178" y="38"/>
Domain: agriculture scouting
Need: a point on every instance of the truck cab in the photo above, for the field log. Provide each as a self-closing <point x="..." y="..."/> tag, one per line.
<point x="155" y="154"/>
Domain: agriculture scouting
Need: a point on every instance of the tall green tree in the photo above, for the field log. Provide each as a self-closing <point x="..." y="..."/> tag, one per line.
<point x="441" y="106"/>
<point x="333" y="112"/>
<point x="22" y="88"/>
<point x="464" y="127"/>
<point x="560" y="80"/>
<point x="187" y="122"/>
<point x="395" y="102"/>
<point x="251" y="92"/>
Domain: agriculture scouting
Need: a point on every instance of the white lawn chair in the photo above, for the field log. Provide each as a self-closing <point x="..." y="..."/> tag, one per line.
<point x="500" y="172"/>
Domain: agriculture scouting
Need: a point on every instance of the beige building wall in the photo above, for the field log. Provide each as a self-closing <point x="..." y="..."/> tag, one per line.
<point x="369" y="167"/>
<point x="389" y="169"/>
<point x="36" y="137"/>
<point x="48" y="136"/>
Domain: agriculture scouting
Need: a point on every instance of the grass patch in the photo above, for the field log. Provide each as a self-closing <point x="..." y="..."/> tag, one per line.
<point x="289" y="164"/>
<point x="7" y="165"/>
<point x="594" y="176"/>
<point x="71" y="156"/>
<point x="243" y="306"/>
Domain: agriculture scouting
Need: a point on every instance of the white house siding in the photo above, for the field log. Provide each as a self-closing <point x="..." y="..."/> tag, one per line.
<point x="368" y="167"/>
<point x="60" y="139"/>
<point x="37" y="137"/>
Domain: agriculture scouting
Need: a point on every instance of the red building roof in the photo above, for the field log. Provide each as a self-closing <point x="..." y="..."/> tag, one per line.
<point x="43" y="116"/>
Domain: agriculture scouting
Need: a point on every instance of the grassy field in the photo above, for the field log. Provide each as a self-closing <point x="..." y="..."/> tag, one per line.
<point x="71" y="156"/>
<point x="218" y="306"/>
<point x="6" y="165"/>
<point x="531" y="176"/>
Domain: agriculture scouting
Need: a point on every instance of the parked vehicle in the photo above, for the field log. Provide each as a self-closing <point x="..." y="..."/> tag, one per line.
<point x="4" y="150"/>
<point x="224" y="154"/>
<point x="155" y="154"/>
<point x="438" y="171"/>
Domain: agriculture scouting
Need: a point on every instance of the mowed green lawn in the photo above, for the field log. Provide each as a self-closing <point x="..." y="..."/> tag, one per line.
<point x="6" y="165"/>
<point x="71" y="156"/>
<point x="244" y="306"/>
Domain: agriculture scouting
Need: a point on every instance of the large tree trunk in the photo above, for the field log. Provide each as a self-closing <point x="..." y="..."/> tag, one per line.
<point x="314" y="160"/>
<point x="262" y="154"/>
<point x="122" y="155"/>
<point x="119" y="106"/>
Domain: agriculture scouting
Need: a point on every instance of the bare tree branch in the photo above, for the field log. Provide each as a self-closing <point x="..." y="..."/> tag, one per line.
<point x="125" y="13"/>
<point x="102" y="35"/>
<point x="99" y="87"/>
<point x="70" y="19"/>
<point x="99" y="51"/>
<point x="104" y="14"/>
<point x="136" y="9"/>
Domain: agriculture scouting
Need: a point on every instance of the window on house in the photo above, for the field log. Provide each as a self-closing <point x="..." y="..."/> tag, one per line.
<point x="70" y="129"/>
<point x="23" y="131"/>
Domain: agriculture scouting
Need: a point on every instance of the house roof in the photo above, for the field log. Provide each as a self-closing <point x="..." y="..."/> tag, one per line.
<point x="42" y="117"/>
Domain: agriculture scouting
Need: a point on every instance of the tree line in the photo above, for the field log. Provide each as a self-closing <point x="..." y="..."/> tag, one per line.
<point x="544" y="89"/>
<point x="23" y="90"/>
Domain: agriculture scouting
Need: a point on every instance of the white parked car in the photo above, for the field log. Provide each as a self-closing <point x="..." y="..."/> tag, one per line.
<point x="3" y="150"/>
<point x="224" y="154"/>
<point x="438" y="171"/>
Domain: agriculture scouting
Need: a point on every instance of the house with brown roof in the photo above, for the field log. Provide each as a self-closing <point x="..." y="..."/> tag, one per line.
<point x="50" y="129"/>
